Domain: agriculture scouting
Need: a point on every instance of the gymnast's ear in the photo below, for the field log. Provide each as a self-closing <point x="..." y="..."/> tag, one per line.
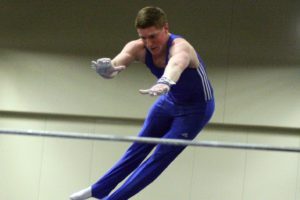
<point x="166" y="27"/>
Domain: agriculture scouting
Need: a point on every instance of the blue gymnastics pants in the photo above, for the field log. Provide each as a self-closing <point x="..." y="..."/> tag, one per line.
<point x="165" y="120"/>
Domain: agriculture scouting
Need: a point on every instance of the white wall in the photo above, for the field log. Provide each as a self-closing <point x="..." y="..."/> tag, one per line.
<point x="43" y="83"/>
<point x="265" y="95"/>
<point x="51" y="168"/>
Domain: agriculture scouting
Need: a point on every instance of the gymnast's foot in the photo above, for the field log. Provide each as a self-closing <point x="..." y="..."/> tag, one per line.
<point x="82" y="194"/>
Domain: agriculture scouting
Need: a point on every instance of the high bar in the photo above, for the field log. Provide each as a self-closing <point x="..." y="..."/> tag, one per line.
<point x="149" y="140"/>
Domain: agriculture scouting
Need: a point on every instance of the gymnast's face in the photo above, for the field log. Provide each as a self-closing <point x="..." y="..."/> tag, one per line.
<point x="155" y="39"/>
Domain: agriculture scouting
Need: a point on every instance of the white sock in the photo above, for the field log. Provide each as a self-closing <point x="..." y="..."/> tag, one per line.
<point x="82" y="194"/>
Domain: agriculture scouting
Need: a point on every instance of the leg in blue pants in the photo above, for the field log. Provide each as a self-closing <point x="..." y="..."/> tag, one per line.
<point x="185" y="122"/>
<point x="136" y="153"/>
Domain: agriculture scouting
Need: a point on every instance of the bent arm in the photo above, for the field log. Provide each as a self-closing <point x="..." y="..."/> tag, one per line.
<point x="128" y="54"/>
<point x="108" y="68"/>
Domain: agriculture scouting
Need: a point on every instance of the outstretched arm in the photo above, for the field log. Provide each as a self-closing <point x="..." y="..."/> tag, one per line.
<point x="180" y="58"/>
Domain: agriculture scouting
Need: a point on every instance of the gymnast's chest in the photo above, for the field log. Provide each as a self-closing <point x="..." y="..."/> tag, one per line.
<point x="160" y="62"/>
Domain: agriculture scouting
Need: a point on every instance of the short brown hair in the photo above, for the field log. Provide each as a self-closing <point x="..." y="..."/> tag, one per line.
<point x="150" y="16"/>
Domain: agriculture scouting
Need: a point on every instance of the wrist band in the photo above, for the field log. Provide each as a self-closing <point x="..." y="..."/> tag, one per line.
<point x="166" y="81"/>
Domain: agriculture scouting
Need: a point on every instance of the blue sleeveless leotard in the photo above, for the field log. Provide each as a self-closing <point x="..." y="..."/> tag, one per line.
<point x="193" y="84"/>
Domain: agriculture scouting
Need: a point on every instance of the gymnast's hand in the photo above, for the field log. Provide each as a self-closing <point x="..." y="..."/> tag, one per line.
<point x="155" y="90"/>
<point x="162" y="86"/>
<point x="105" y="68"/>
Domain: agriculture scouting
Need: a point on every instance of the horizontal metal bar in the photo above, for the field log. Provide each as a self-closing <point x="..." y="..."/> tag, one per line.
<point x="149" y="140"/>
